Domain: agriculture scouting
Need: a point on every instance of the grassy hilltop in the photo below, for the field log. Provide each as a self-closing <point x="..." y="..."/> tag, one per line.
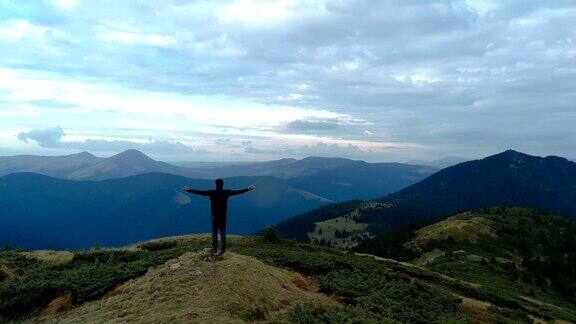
<point x="494" y="265"/>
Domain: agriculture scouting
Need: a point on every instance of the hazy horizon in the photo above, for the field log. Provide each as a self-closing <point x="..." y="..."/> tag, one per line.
<point x="438" y="163"/>
<point x="255" y="80"/>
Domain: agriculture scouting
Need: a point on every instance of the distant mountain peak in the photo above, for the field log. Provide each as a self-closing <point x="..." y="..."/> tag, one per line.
<point x="83" y="154"/>
<point x="507" y="178"/>
<point x="512" y="155"/>
<point x="312" y="160"/>
<point x="511" y="152"/>
<point x="131" y="152"/>
<point x="131" y="155"/>
<point x="323" y="158"/>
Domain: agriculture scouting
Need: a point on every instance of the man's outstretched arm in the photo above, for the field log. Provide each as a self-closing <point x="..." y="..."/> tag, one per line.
<point x="196" y="192"/>
<point x="241" y="191"/>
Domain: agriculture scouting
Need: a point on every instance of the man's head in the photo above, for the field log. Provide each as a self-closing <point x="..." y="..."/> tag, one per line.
<point x="219" y="183"/>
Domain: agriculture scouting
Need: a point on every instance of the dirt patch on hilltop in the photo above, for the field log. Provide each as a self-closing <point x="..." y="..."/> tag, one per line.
<point x="58" y="305"/>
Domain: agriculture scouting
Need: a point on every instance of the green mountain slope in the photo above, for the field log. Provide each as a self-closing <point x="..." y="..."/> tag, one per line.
<point x="509" y="178"/>
<point x="169" y="280"/>
<point x="517" y="254"/>
<point x="345" y="225"/>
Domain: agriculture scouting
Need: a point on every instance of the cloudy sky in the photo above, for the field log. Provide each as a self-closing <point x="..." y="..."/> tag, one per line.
<point x="258" y="80"/>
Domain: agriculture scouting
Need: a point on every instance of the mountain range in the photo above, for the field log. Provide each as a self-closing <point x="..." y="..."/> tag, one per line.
<point x="337" y="179"/>
<point x="86" y="166"/>
<point x="79" y="200"/>
<point x="45" y="211"/>
<point x="509" y="178"/>
<point x="332" y="178"/>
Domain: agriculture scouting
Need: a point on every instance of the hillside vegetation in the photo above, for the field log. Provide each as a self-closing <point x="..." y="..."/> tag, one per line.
<point x="520" y="255"/>
<point x="509" y="178"/>
<point x="448" y="279"/>
<point x="355" y="222"/>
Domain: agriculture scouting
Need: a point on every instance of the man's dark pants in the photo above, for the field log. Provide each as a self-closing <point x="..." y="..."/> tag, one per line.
<point x="218" y="226"/>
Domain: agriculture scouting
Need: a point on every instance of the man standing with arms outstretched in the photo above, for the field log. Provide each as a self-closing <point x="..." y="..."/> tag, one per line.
<point x="219" y="208"/>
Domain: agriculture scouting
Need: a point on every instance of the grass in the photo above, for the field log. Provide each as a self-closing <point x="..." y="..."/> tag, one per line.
<point x="237" y="289"/>
<point x="87" y="276"/>
<point x="510" y="253"/>
<point x="50" y="257"/>
<point x="460" y="228"/>
<point x="341" y="232"/>
<point x="428" y="257"/>
<point x="477" y="309"/>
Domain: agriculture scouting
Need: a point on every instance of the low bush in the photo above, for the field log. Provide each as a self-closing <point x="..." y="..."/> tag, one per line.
<point x="158" y="246"/>
<point x="381" y="295"/>
<point x="18" y="263"/>
<point x="270" y="234"/>
<point x="316" y="313"/>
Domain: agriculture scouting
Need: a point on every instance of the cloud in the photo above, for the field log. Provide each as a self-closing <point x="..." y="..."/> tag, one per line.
<point x="46" y="137"/>
<point x="410" y="71"/>
<point x="151" y="39"/>
<point x="53" y="138"/>
<point x="18" y="30"/>
<point x="312" y="125"/>
<point x="65" y="4"/>
<point x="343" y="127"/>
<point x="38" y="88"/>
<point x="166" y="147"/>
<point x="319" y="149"/>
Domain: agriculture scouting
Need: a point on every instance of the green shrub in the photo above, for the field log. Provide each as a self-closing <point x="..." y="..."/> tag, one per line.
<point x="381" y="296"/>
<point x="353" y="284"/>
<point x="270" y="234"/>
<point x="158" y="246"/>
<point x="88" y="276"/>
<point x="409" y="302"/>
<point x="18" y="263"/>
<point x="7" y="247"/>
<point x="315" y="313"/>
